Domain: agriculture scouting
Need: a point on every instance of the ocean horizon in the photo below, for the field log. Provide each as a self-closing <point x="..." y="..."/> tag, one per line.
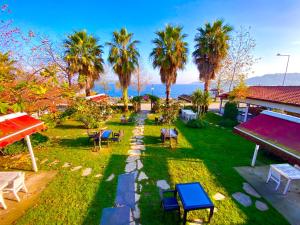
<point x="158" y="90"/>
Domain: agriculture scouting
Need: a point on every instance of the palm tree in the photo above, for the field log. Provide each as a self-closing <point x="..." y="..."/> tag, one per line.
<point x="84" y="56"/>
<point x="169" y="55"/>
<point x="197" y="97"/>
<point x="123" y="56"/>
<point x="210" y="49"/>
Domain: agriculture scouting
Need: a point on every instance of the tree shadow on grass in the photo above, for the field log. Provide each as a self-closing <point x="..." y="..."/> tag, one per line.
<point x="71" y="126"/>
<point x="76" y="142"/>
<point x="106" y="191"/>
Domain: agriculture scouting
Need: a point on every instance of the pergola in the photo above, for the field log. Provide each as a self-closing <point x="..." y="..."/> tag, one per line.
<point x="98" y="98"/>
<point x="273" y="130"/>
<point x="16" y="126"/>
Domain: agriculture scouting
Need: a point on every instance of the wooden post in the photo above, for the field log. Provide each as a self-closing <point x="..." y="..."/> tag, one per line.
<point x="246" y="113"/>
<point x="254" y="155"/>
<point x="34" y="167"/>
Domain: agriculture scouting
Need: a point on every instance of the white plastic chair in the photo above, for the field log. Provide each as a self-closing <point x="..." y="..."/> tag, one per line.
<point x="16" y="185"/>
<point x="297" y="166"/>
<point x="275" y="176"/>
<point x="2" y="203"/>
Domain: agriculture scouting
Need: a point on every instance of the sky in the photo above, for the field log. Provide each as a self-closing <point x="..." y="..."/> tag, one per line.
<point x="275" y="25"/>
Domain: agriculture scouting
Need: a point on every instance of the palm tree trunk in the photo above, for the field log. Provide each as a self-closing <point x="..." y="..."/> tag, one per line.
<point x="87" y="87"/>
<point x="125" y="98"/>
<point x="206" y="85"/>
<point x="70" y="79"/>
<point x="167" y="93"/>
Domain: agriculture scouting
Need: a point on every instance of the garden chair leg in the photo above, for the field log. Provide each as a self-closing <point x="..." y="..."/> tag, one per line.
<point x="16" y="195"/>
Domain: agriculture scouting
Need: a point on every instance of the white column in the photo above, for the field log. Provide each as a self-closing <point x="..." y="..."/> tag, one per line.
<point x="255" y="155"/>
<point x="34" y="167"/>
<point x="246" y="113"/>
<point x="220" y="108"/>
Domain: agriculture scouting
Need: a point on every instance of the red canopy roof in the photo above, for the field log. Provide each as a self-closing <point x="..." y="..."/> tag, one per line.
<point x="14" y="127"/>
<point x="275" y="130"/>
<point x="98" y="98"/>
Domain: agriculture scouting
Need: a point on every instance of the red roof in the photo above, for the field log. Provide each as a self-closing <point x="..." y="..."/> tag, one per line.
<point x="273" y="129"/>
<point x="279" y="94"/>
<point x="14" y="127"/>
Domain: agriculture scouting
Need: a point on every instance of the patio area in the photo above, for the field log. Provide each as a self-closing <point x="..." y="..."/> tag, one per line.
<point x="288" y="205"/>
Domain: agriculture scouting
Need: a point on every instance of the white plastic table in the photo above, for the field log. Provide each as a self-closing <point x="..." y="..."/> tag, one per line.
<point x="188" y="114"/>
<point x="286" y="170"/>
<point x="3" y="184"/>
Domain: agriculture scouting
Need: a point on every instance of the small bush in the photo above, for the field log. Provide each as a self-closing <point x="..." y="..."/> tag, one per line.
<point x="231" y="111"/>
<point x="228" y="123"/>
<point x="196" y="123"/>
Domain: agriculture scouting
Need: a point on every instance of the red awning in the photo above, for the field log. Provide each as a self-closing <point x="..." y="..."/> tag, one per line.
<point x="14" y="127"/>
<point x="98" y="98"/>
<point x="275" y="130"/>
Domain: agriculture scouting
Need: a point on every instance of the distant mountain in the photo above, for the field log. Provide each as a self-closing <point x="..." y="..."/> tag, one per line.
<point x="292" y="79"/>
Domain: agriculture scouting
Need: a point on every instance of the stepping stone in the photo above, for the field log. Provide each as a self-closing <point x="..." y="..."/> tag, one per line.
<point x="44" y="160"/>
<point x="242" y="198"/>
<point x="66" y="164"/>
<point x="250" y="190"/>
<point x="141" y="187"/>
<point x="134" y="152"/>
<point x="76" y="168"/>
<point x="125" y="190"/>
<point x="136" y="212"/>
<point x="138" y="147"/>
<point x="135" y="187"/>
<point x="139" y="165"/>
<point x="132" y="158"/>
<point x="139" y="137"/>
<point x="130" y="167"/>
<point x="218" y="196"/>
<point x="98" y="175"/>
<point x="196" y="222"/>
<point x="261" y="206"/>
<point x="162" y="184"/>
<point x="111" y="177"/>
<point x="142" y="176"/>
<point x="53" y="163"/>
<point x="137" y="197"/>
<point x="86" y="172"/>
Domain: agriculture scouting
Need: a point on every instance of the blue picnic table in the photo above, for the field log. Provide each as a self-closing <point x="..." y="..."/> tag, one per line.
<point x="194" y="197"/>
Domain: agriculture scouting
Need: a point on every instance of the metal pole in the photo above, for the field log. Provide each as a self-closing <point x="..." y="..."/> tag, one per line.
<point x="34" y="167"/>
<point x="287" y="64"/>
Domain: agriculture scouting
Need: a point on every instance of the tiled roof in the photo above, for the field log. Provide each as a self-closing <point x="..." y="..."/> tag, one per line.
<point x="279" y="94"/>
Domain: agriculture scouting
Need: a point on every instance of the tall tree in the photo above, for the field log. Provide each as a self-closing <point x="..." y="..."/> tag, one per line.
<point x="123" y="56"/>
<point x="84" y="56"/>
<point x="169" y="55"/>
<point x="210" y="49"/>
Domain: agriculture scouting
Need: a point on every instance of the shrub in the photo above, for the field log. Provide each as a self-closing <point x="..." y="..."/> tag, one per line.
<point x="196" y="123"/>
<point x="231" y="111"/>
<point x="228" y="123"/>
<point x="52" y="119"/>
<point x="170" y="112"/>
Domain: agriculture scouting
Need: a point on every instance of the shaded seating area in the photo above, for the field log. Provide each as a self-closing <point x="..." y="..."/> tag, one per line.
<point x="105" y="137"/>
<point x="168" y="134"/>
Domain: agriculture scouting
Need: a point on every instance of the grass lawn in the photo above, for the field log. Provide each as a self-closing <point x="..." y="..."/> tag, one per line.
<point x="71" y="198"/>
<point x="205" y="155"/>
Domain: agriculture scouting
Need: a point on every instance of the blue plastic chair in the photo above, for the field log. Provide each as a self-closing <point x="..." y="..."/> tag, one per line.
<point x="169" y="204"/>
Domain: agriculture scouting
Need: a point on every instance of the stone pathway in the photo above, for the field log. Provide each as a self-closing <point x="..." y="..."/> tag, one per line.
<point x="245" y="199"/>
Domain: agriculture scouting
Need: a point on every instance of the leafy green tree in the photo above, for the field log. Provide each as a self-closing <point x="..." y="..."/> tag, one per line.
<point x="84" y="56"/>
<point x="169" y="54"/>
<point x="210" y="49"/>
<point x="123" y="56"/>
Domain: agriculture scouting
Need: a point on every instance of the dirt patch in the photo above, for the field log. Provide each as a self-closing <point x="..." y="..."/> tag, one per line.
<point x="35" y="183"/>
